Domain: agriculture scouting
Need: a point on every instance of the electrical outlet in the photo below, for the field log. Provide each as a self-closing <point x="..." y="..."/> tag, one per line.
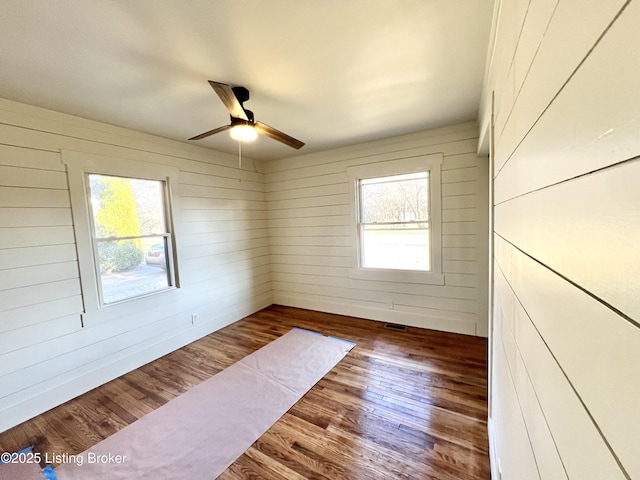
<point x="390" y="304"/>
<point x="194" y="318"/>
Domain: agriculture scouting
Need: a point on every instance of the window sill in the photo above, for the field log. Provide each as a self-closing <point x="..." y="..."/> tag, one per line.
<point x="396" y="276"/>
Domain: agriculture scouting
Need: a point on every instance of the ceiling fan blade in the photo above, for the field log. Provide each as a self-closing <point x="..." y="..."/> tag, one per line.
<point x="229" y="99"/>
<point x="211" y="132"/>
<point x="271" y="132"/>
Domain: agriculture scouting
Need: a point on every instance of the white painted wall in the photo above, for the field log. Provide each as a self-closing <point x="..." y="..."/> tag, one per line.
<point x="46" y="357"/>
<point x="311" y="236"/>
<point x="565" y="375"/>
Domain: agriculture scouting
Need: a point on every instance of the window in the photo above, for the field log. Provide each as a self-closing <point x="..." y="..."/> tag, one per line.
<point x="130" y="236"/>
<point x="122" y="215"/>
<point x="396" y="220"/>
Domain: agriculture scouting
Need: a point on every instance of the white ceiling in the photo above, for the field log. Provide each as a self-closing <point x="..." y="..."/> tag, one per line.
<point x="331" y="72"/>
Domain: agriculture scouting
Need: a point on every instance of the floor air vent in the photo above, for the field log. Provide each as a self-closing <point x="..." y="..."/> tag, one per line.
<point x="396" y="327"/>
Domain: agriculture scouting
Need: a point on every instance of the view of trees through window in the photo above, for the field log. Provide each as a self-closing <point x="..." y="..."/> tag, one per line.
<point x="394" y="222"/>
<point x="130" y="235"/>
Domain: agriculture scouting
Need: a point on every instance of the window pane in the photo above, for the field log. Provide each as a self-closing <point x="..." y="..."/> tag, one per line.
<point x="123" y="208"/>
<point x="126" y="207"/>
<point x="399" y="198"/>
<point x="129" y="268"/>
<point x="401" y="247"/>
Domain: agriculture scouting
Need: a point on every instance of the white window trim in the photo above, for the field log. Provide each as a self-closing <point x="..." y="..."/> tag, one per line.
<point x="431" y="163"/>
<point x="79" y="164"/>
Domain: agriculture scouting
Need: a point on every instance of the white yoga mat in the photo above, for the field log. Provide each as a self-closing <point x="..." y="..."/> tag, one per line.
<point x="200" y="433"/>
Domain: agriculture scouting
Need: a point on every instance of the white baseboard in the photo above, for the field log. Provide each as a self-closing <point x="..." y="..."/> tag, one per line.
<point x="392" y="316"/>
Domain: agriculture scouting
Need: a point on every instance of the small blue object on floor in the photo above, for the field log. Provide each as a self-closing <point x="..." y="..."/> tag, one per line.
<point x="24" y="465"/>
<point x="49" y="473"/>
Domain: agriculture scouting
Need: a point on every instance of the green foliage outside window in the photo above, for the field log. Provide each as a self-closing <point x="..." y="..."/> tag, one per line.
<point x="116" y="217"/>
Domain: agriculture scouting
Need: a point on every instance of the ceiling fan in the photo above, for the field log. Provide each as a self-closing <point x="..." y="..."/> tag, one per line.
<point x="243" y="127"/>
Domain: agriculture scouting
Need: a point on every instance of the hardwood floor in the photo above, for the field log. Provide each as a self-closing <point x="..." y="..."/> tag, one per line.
<point x="401" y="405"/>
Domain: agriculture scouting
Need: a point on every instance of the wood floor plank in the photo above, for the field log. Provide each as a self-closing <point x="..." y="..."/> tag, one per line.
<point x="401" y="405"/>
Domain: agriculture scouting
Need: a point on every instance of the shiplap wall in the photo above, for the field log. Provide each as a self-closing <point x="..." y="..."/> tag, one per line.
<point x="565" y="338"/>
<point x="311" y="238"/>
<point x="46" y="357"/>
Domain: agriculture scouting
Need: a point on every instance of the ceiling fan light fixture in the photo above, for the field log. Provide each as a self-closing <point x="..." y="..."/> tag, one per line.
<point x="243" y="127"/>
<point x="243" y="133"/>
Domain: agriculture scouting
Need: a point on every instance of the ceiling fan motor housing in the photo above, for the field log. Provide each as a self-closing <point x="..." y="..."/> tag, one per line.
<point x="241" y="93"/>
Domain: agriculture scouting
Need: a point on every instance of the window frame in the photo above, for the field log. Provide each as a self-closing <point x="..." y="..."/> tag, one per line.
<point x="426" y="163"/>
<point x="96" y="240"/>
<point x="79" y="166"/>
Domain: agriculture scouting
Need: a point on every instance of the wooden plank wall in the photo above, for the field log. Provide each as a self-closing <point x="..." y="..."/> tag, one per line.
<point x="46" y="357"/>
<point x="566" y="320"/>
<point x="311" y="237"/>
